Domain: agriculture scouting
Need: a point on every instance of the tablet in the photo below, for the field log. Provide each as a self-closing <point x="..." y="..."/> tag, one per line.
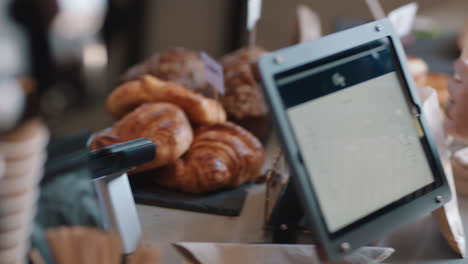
<point x="362" y="158"/>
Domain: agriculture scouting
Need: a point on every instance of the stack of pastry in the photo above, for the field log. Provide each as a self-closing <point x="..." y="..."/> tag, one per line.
<point x="243" y="99"/>
<point x="218" y="155"/>
<point x="23" y="153"/>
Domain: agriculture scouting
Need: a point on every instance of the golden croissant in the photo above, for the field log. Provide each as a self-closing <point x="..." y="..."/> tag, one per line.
<point x="129" y="95"/>
<point x="222" y="156"/>
<point x="164" y="124"/>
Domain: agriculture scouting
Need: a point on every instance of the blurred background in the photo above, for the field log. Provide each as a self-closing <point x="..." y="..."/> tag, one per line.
<point x="79" y="49"/>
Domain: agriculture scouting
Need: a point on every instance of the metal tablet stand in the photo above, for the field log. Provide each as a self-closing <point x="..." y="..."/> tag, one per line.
<point x="286" y="217"/>
<point x="109" y="167"/>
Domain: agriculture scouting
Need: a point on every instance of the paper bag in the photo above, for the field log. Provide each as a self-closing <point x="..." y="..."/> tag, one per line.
<point x="448" y="217"/>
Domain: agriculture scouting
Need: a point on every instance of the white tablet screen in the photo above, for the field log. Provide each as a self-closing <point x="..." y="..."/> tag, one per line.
<point x="356" y="134"/>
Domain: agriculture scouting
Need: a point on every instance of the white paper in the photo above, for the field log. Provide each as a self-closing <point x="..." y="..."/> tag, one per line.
<point x="403" y="17"/>
<point x="448" y="217"/>
<point x="226" y="253"/>
<point x="376" y="9"/>
<point x="377" y="130"/>
<point x="309" y="24"/>
<point x="254" y="10"/>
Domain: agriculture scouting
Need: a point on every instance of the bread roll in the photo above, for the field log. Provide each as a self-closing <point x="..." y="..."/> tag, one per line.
<point x="243" y="97"/>
<point x="164" y="124"/>
<point x="178" y="65"/>
<point x="244" y="100"/>
<point x="222" y="156"/>
<point x="128" y="96"/>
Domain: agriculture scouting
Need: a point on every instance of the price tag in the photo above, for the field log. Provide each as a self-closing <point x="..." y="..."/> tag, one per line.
<point x="402" y="18"/>
<point x="309" y="24"/>
<point x="213" y="72"/>
<point x="254" y="10"/>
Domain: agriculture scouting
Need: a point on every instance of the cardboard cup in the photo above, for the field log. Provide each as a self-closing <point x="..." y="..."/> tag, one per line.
<point x="11" y="238"/>
<point x="28" y="138"/>
<point x="19" y="235"/>
<point x="21" y="167"/>
<point x="12" y="186"/>
<point x="10" y="255"/>
<point x="14" y="221"/>
<point x="16" y="203"/>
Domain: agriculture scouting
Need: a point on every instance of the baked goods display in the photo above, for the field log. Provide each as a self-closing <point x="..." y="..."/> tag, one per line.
<point x="165" y="124"/>
<point x="22" y="156"/>
<point x="222" y="156"/>
<point x="129" y="95"/>
<point x="439" y="81"/>
<point x="218" y="155"/>
<point x="419" y="70"/>
<point x="180" y="65"/>
<point x="243" y="99"/>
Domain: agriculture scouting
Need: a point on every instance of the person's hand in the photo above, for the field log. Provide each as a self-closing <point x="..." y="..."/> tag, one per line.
<point x="456" y="122"/>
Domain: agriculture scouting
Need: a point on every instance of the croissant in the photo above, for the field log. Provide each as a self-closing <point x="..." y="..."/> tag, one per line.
<point x="164" y="124"/>
<point x="199" y="109"/>
<point x="222" y="156"/>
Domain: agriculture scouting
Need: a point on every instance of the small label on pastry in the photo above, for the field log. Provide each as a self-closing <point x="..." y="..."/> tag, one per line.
<point x="213" y="72"/>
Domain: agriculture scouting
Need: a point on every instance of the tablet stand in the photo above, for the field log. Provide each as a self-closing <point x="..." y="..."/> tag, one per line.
<point x="285" y="219"/>
<point x="286" y="216"/>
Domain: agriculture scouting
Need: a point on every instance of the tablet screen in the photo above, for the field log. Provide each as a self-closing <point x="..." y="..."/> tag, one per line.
<point x="357" y="136"/>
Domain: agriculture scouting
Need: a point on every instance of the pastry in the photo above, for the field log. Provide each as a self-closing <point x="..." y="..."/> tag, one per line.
<point x="222" y="156"/>
<point x="128" y="96"/>
<point x="243" y="99"/>
<point x="178" y="65"/>
<point x="419" y="70"/>
<point x="165" y="124"/>
<point x="439" y="81"/>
